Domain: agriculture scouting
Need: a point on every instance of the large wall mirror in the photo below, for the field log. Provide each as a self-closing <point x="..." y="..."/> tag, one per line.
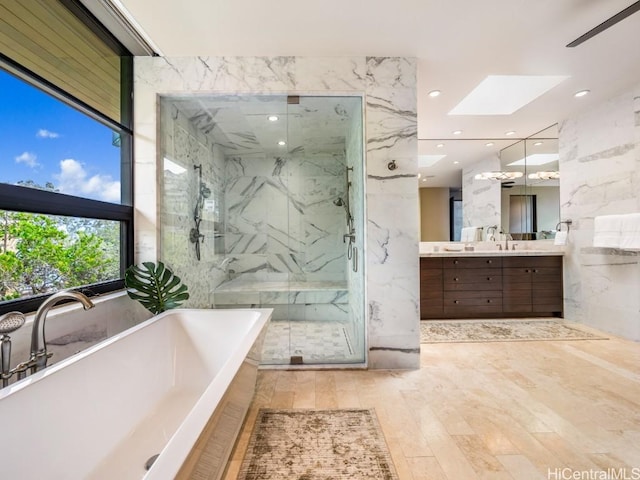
<point x="530" y="191"/>
<point x="510" y="184"/>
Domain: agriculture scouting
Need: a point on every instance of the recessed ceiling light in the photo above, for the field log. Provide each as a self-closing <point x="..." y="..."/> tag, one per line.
<point x="510" y="132"/>
<point x="581" y="93"/>
<point x="457" y="132"/>
<point x="456" y="162"/>
<point x="282" y="143"/>
<point x="505" y="94"/>
<point x="424" y="179"/>
<point x="272" y="118"/>
<point x="435" y="93"/>
<point x="489" y="144"/>
<point x="419" y="175"/>
<point x="440" y="145"/>
<point x="537" y="144"/>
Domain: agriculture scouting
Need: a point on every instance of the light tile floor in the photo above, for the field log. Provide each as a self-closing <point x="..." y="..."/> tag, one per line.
<point x="316" y="342"/>
<point x="504" y="410"/>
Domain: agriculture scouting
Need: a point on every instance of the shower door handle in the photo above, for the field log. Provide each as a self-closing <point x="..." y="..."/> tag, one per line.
<point x="351" y="236"/>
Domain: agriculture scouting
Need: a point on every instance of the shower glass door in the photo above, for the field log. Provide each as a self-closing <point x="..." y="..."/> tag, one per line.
<point x="325" y="218"/>
<point x="271" y="189"/>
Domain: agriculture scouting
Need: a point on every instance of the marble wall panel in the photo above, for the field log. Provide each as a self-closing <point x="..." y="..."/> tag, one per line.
<point x="600" y="175"/>
<point x="389" y="88"/>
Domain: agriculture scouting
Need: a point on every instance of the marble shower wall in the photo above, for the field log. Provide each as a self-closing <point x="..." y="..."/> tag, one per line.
<point x="600" y="175"/>
<point x="481" y="198"/>
<point x="391" y="239"/>
<point x="281" y="220"/>
<point x="182" y="146"/>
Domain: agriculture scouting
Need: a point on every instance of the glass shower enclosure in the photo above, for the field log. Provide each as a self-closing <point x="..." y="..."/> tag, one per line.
<point x="262" y="205"/>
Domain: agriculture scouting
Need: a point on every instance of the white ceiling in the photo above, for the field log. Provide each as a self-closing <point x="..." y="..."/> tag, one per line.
<point x="457" y="44"/>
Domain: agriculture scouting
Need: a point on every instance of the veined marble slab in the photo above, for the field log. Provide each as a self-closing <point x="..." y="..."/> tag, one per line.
<point x="495" y="253"/>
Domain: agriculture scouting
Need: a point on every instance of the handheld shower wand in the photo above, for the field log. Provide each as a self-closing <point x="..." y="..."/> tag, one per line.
<point x="9" y="323"/>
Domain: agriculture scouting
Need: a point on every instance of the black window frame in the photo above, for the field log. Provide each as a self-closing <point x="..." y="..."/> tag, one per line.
<point x="29" y="200"/>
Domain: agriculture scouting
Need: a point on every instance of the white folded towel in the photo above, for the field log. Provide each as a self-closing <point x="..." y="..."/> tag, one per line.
<point x="561" y="237"/>
<point x="607" y="231"/>
<point x="630" y="232"/>
<point x="471" y="234"/>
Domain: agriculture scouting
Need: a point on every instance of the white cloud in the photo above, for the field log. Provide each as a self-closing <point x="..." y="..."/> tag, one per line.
<point x="28" y="159"/>
<point x="73" y="180"/>
<point x="44" y="133"/>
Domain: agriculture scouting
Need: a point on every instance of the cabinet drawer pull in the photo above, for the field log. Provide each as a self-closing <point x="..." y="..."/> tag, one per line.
<point x="526" y="270"/>
<point x="489" y="278"/>
<point x="535" y="271"/>
<point x="455" y="262"/>
<point x="489" y="300"/>
<point x="456" y="301"/>
<point x="488" y="261"/>
<point x="455" y="279"/>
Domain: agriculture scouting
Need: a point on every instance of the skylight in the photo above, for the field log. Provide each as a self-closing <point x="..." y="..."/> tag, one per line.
<point x="429" y="160"/>
<point x="505" y="94"/>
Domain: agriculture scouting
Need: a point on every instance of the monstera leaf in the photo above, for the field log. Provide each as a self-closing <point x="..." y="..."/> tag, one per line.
<point x="155" y="287"/>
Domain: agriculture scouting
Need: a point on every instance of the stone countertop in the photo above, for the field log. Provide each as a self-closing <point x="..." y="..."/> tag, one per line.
<point x="491" y="253"/>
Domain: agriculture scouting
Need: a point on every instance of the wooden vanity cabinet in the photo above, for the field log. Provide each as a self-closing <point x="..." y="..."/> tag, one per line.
<point x="471" y="286"/>
<point x="532" y="285"/>
<point x="476" y="287"/>
<point x="430" y="287"/>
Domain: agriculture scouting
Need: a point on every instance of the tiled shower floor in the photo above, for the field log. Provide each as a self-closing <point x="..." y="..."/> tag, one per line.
<point x="316" y="342"/>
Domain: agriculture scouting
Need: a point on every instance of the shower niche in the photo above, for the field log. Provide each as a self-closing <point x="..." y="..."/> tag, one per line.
<point x="262" y="205"/>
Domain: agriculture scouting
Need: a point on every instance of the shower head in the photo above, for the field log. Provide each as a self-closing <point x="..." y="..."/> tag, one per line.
<point x="338" y="202"/>
<point x="10" y="322"/>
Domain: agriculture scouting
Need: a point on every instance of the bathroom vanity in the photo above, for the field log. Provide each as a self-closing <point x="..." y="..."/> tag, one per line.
<point x="496" y="284"/>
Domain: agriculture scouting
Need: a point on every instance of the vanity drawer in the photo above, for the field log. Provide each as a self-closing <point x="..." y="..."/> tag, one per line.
<point x="430" y="262"/>
<point x="470" y="303"/>
<point x="532" y="262"/>
<point x="478" y="279"/>
<point x="472" y="262"/>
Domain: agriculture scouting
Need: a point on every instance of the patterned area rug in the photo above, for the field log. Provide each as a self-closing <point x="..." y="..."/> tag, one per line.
<point x="317" y="445"/>
<point x="501" y="331"/>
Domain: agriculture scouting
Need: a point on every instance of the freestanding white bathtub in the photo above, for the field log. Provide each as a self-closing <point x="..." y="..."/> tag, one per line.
<point x="101" y="414"/>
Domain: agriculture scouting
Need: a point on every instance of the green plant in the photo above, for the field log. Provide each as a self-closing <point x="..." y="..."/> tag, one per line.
<point x="155" y="287"/>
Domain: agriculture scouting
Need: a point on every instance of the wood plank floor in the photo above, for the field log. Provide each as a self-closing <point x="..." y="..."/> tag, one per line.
<point x="503" y="410"/>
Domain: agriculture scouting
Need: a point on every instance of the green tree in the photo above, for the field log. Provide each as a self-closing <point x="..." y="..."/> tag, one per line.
<point x="40" y="248"/>
<point x="88" y="260"/>
<point x="41" y="253"/>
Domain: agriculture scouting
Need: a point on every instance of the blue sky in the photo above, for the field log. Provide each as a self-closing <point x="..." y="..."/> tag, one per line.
<point x="44" y="140"/>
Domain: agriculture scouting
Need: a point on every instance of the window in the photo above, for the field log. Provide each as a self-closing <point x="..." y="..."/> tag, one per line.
<point x="66" y="219"/>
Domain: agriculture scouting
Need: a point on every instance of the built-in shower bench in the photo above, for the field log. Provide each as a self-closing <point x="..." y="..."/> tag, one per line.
<point x="254" y="292"/>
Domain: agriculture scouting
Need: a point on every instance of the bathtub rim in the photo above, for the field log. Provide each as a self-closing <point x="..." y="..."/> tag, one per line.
<point x="52" y="369"/>
<point x="185" y="436"/>
<point x="178" y="447"/>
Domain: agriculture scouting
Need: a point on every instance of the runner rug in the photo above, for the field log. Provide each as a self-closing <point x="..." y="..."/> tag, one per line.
<point x="317" y="445"/>
<point x="502" y="331"/>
